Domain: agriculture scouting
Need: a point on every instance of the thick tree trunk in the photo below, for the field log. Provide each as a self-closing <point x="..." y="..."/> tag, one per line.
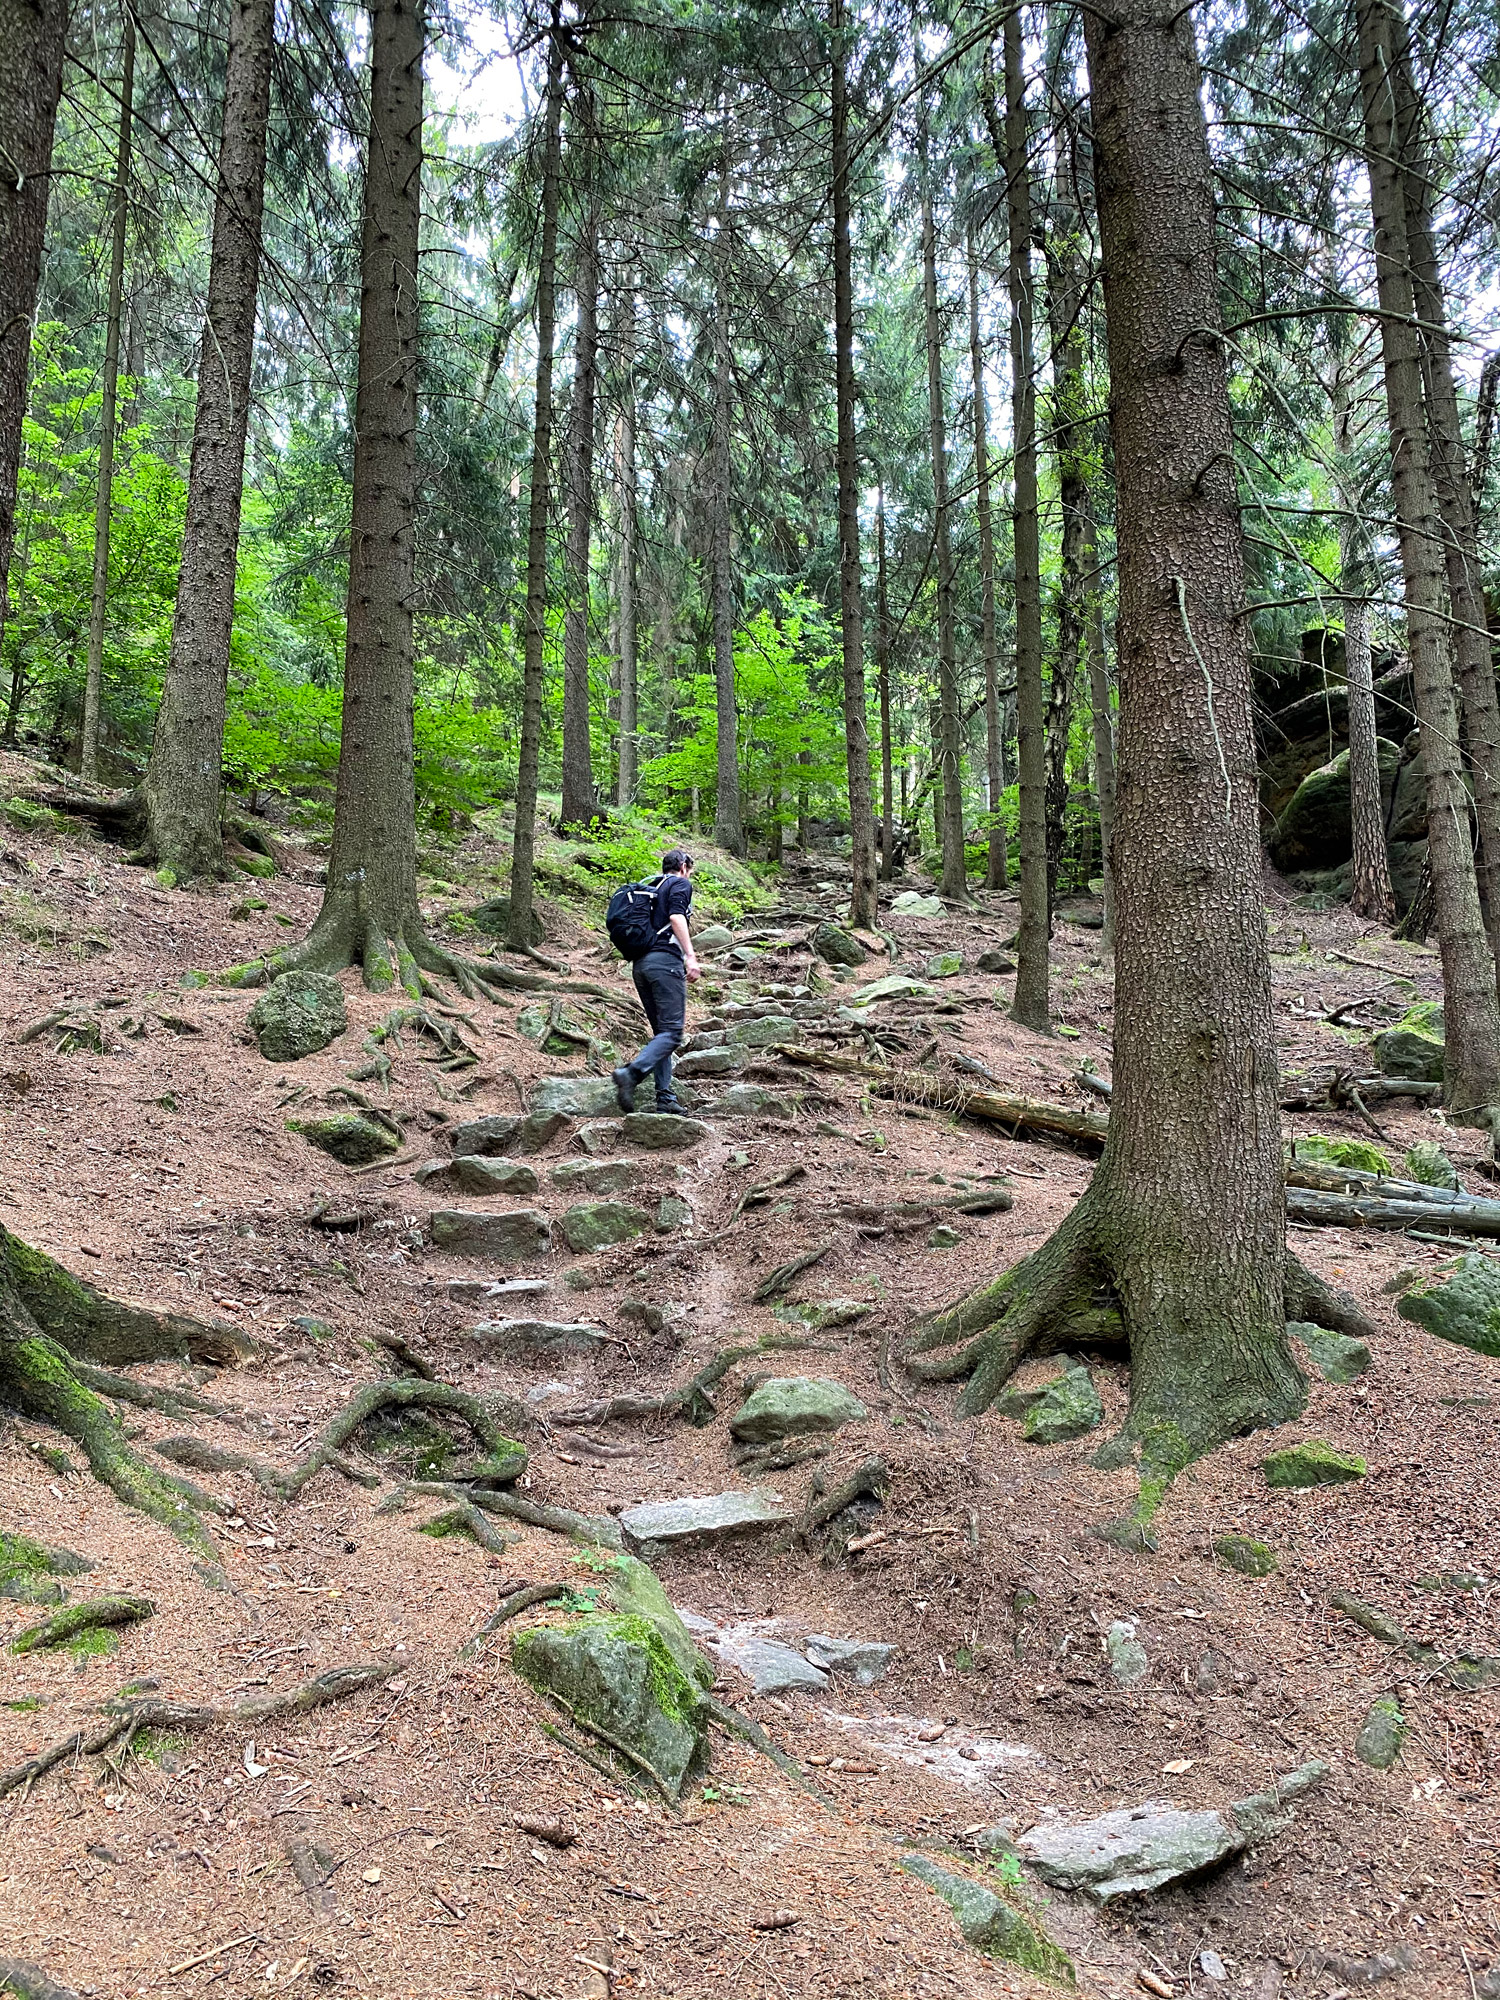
<point x="1071" y="439"/>
<point x="32" y="34"/>
<point x="1472" y="1080"/>
<point x="1182" y="1227"/>
<point x="578" y="801"/>
<point x="93" y="682"/>
<point x="947" y="740"/>
<point x="183" y="783"/>
<point x="862" y="907"/>
<point x="523" y="847"/>
<point x="625" y="541"/>
<point x="1031" y="1005"/>
<point x="883" y="671"/>
<point x="1473" y="658"/>
<point x="729" y="829"/>
<point x="995" y="873"/>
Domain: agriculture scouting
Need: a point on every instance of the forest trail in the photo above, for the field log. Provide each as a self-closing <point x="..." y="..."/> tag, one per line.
<point x="163" y="1169"/>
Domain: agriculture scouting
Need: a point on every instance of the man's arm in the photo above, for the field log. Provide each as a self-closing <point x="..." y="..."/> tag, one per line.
<point x="690" y="957"/>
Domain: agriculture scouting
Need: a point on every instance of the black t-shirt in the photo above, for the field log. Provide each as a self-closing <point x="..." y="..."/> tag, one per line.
<point x="674" y="896"/>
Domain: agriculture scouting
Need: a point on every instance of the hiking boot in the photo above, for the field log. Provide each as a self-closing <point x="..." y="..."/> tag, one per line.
<point x="624" y="1083"/>
<point x="673" y="1105"/>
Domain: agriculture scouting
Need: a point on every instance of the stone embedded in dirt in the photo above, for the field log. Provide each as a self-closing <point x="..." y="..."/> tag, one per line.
<point x="836" y="946"/>
<point x="1127" y="1656"/>
<point x="1427" y="1163"/>
<point x="821" y="1313"/>
<point x="764" y="1033"/>
<point x="944" y="965"/>
<point x="1131" y="1850"/>
<point x="710" y="1062"/>
<point x="596" y="1176"/>
<point x="514" y="1236"/>
<point x="750" y="1100"/>
<point x="495" y="1288"/>
<point x="580" y="1096"/>
<point x="768" y="1665"/>
<point x="864" y="1660"/>
<point x="536" y="1132"/>
<point x="1338" y="1357"/>
<point x="716" y="938"/>
<point x="1460" y="1302"/>
<point x="944" y="1237"/>
<point x="1068" y="1407"/>
<point x="349" y="1137"/>
<point x="1249" y="1557"/>
<point x="996" y="961"/>
<point x="485" y="1135"/>
<point x="601" y="1135"/>
<point x="542" y="1333"/>
<point x="991" y="1924"/>
<point x="298" y="1014"/>
<point x="661" y="1525"/>
<point x="1414" y="1048"/>
<point x="595" y="1225"/>
<point x="912" y="903"/>
<point x="476" y="1173"/>
<point x="1379" y="1741"/>
<point x="1312" y="1464"/>
<point x="794" y="1406"/>
<point x="672" y="1212"/>
<point x="895" y="986"/>
<point x="663" y="1131"/>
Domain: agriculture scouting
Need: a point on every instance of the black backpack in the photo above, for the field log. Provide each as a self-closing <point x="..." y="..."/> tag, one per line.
<point x="632" y="920"/>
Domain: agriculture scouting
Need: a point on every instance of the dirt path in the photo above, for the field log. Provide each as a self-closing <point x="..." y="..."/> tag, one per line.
<point x="163" y="1169"/>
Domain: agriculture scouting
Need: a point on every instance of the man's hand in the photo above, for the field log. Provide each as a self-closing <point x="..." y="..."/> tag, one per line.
<point x="694" y="970"/>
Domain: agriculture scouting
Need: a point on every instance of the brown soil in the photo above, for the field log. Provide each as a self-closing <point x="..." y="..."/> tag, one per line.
<point x="163" y="1170"/>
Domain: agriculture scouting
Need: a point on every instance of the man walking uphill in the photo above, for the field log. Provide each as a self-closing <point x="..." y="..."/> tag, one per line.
<point x="661" y="977"/>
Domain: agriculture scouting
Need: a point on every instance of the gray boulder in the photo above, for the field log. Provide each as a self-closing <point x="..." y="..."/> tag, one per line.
<point x="580" y="1096"/>
<point x="911" y="903"/>
<point x="1427" y="1163"/>
<point x="895" y="986"/>
<point x="298" y="1014"/>
<point x="750" y="1100"/>
<point x="793" y="1406"/>
<point x="349" y="1137"/>
<point x="485" y="1135"/>
<point x="601" y="1135"/>
<point x="836" y="946"/>
<point x="864" y="1660"/>
<point x="1338" y="1357"/>
<point x="710" y="1062"/>
<point x="596" y="1176"/>
<point x="991" y="1924"/>
<point x="1414" y="1048"/>
<point x="659" y="1526"/>
<point x="536" y="1133"/>
<point x="477" y="1173"/>
<point x="769" y="1666"/>
<point x="541" y="1333"/>
<point x="762" y="1034"/>
<point x="595" y="1225"/>
<point x="663" y="1131"/>
<point x="1459" y="1302"/>
<point x="1315" y="829"/>
<point x="515" y="1236"/>
<point x="1068" y="1407"/>
<point x="996" y="961"/>
<point x="715" y="938"/>
<point x="673" y="1212"/>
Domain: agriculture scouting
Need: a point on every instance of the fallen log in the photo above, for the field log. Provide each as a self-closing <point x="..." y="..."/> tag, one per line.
<point x="1351" y="1211"/>
<point x="950" y="1094"/>
<point x="1329" y="1179"/>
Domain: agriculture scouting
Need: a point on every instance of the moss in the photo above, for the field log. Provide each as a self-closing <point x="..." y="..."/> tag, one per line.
<point x="1249" y="1557"/>
<point x="81" y="1625"/>
<point x="254" y="864"/>
<point x="95" y="1645"/>
<point x="161" y="1747"/>
<point x="22" y="1558"/>
<point x="675" y="1693"/>
<point x="28" y="1705"/>
<point x="1312" y="1464"/>
<point x="1358" y="1153"/>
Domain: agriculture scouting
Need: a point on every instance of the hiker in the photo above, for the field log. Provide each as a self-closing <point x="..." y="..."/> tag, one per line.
<point x="661" y="975"/>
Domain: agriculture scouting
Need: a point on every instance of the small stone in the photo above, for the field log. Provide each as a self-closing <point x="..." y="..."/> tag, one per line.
<point x="1211" y="1965"/>
<point x="1127" y="1656"/>
<point x="348" y="1137"/>
<point x="541" y="1333"/>
<point x="821" y="1313"/>
<point x="715" y="938"/>
<point x="992" y="1925"/>
<point x="672" y="1212"/>
<point x="601" y="1135"/>
<point x="895" y="986"/>
<point x="313" y="1327"/>
<point x="1379" y="1741"/>
<point x="514" y="1236"/>
<point x="836" y="946"/>
<point x="911" y="903"/>
<point x="298" y="1014"/>
<point x="595" y="1225"/>
<point x="580" y="1096"/>
<point x="944" y="1237"/>
<point x="1338" y="1357"/>
<point x="945" y="965"/>
<point x="1430" y="1165"/>
<point x="864" y="1660"/>
<point x="1312" y="1464"/>
<point x="596" y="1176"/>
<point x="476" y="1173"/>
<point x="495" y="1288"/>
<point x="794" y="1406"/>
<point x="661" y="1525"/>
<point x="769" y="1666"/>
<point x="710" y="1062"/>
<point x="996" y="961"/>
<point x="746" y="1100"/>
<point x="1249" y="1557"/>
<point x="1460" y="1302"/>
<point x="485" y="1135"/>
<point x="663" y="1131"/>
<point x="1068" y="1407"/>
<point x="764" y="1033"/>
<point x="536" y="1132"/>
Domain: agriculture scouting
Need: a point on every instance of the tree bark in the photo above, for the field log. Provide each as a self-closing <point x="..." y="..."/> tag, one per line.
<point x="1031" y="1005"/>
<point x="182" y="791"/>
<point x="862" y="905"/>
<point x="947" y="743"/>
<point x="883" y="672"/>
<point x="1472" y="1062"/>
<point x="1370" y="880"/>
<point x="578" y="801"/>
<point x="523" y="846"/>
<point x="1183" y="1224"/>
<point x="995" y="872"/>
<point x="1103" y="725"/>
<point x="93" y="683"/>
<point x="625" y="556"/>
<point x="729" y="830"/>
<point x="32" y="35"/>
<point x="1070" y="430"/>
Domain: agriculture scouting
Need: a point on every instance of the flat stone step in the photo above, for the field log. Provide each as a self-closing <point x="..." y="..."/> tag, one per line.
<point x="660" y="1525"/>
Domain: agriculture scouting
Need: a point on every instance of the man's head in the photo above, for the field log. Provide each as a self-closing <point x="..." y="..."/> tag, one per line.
<point x="677" y="861"/>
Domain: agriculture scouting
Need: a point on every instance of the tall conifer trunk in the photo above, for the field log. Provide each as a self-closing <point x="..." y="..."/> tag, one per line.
<point x="1370" y="874"/>
<point x="577" y="751"/>
<point x="995" y="874"/>
<point x="947" y="744"/>
<point x="883" y="670"/>
<point x="1066" y="284"/>
<point x="1472" y="1061"/>
<point x="93" y="681"/>
<point x="862" y="908"/>
<point x="32" y="36"/>
<point x="1178" y="1243"/>
<point x="625" y="555"/>
<point x="183" y="784"/>
<point x="729" y="828"/>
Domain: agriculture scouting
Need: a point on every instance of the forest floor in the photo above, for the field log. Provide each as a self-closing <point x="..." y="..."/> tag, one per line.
<point x="163" y="1169"/>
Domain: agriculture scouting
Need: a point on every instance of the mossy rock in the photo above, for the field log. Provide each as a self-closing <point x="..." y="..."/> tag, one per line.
<point x="348" y="1137"/>
<point x="1312" y="1464"/>
<point x="1379" y="1741"/>
<point x="260" y="865"/>
<point x="1067" y="1407"/>
<point x="1249" y="1557"/>
<point x="836" y="946"/>
<point x="1338" y="1357"/>
<point x="991" y="1924"/>
<point x="1358" y="1153"/>
<point x="1459" y="1302"/>
<point x="1428" y="1164"/>
<point x="298" y="1014"/>
<point x="28" y="1571"/>
<point x="794" y="1406"/>
<point x="1414" y="1047"/>
<point x="596" y="1225"/>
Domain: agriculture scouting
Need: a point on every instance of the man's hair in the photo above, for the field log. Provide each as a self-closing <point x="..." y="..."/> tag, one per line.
<point x="676" y="861"/>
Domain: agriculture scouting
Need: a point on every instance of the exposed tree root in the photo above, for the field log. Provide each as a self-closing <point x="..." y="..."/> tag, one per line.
<point x="598" y="1530"/>
<point x="314" y="1869"/>
<point x="170" y="1402"/>
<point x="126" y="1717"/>
<point x="511" y="1607"/>
<point x="94" y="1615"/>
<point x="201" y="1456"/>
<point x="466" y="1519"/>
<point x="870" y="1480"/>
<point x="730" y="1718"/>
<point x="692" y="1400"/>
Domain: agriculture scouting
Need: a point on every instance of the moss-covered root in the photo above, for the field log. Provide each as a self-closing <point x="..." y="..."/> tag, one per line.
<point x="467" y="1520"/>
<point x="204" y="1457"/>
<point x="91" y="1616"/>
<point x="28" y="1982"/>
<point x="100" y="1329"/>
<point x="505" y="1459"/>
<point x="1311" y="1298"/>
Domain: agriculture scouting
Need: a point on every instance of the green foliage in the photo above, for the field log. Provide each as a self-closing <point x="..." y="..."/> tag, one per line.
<point x="1358" y="1153"/>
